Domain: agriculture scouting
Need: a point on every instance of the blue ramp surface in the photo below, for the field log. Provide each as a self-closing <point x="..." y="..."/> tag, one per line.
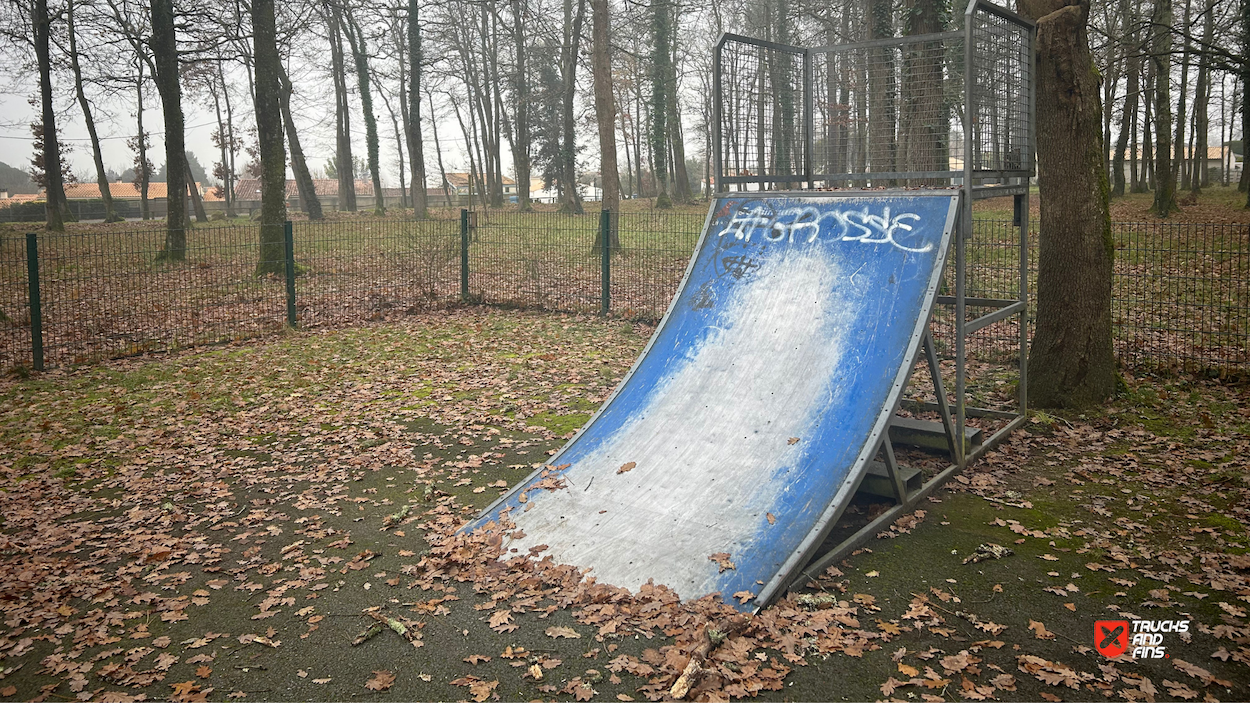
<point x="747" y="422"/>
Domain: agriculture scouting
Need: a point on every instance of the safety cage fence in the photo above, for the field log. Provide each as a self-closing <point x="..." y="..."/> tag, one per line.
<point x="915" y="111"/>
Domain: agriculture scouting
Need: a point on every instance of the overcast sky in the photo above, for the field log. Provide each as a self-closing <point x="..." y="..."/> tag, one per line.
<point x="116" y="124"/>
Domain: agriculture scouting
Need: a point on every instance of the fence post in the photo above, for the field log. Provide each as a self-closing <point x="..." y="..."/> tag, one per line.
<point x="288" y="244"/>
<point x="605" y="261"/>
<point x="36" y="305"/>
<point x="464" y="255"/>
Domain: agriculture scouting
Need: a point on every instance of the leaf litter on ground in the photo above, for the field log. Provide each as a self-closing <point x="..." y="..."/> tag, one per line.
<point x="187" y="486"/>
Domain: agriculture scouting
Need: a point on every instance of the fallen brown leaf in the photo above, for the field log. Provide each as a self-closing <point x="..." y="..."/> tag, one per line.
<point x="381" y="681"/>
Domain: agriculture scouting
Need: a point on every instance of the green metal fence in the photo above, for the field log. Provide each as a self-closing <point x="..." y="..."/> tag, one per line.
<point x="1181" y="295"/>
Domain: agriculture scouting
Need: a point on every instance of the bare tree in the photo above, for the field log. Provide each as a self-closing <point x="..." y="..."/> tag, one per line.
<point x="1202" y="101"/>
<point x="110" y="215"/>
<point x="268" y="103"/>
<point x="416" y="149"/>
<point x="882" y="90"/>
<point x="568" y="75"/>
<point x="223" y="137"/>
<point x="676" y="138"/>
<point x="356" y="41"/>
<point x="299" y="165"/>
<point x="165" y="54"/>
<point x="1161" y="50"/>
<point x="344" y="165"/>
<point x="1130" y="51"/>
<point x="55" y="205"/>
<point x="661" y="60"/>
<point x="521" y="111"/>
<point x="605" y="110"/>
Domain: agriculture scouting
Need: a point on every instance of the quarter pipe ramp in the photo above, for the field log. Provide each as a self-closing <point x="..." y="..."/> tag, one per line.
<point x="742" y="431"/>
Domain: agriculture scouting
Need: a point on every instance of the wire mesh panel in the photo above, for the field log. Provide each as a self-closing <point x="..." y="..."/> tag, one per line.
<point x="763" y="112"/>
<point x="111" y="293"/>
<point x="15" y="340"/>
<point x="1181" y="295"/>
<point x="351" y="271"/>
<point x="536" y="259"/>
<point x="1000" y="57"/>
<point x="992" y="273"/>
<point x="646" y="270"/>
<point x="890" y="112"/>
<point x="884" y="111"/>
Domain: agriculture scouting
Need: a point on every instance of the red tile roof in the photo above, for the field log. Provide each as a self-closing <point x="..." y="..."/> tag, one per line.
<point x="119" y="191"/>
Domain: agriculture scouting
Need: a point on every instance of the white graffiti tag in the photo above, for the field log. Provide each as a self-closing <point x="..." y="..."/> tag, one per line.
<point x="807" y="224"/>
<point x="876" y="229"/>
<point x="748" y="218"/>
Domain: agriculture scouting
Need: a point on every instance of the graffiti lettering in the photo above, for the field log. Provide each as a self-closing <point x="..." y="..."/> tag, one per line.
<point x="738" y="266"/>
<point x="748" y="218"/>
<point x="807" y="224"/>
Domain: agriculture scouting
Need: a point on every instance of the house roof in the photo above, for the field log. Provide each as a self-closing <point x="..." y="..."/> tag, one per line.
<point x="118" y="190"/>
<point x="461" y="180"/>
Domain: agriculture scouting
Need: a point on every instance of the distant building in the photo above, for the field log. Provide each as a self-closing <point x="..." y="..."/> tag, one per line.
<point x="1216" y="160"/>
<point x="247" y="194"/>
<point x="7" y="198"/>
<point x="120" y="191"/>
<point x="590" y="191"/>
<point x="462" y="187"/>
<point x="83" y="199"/>
<point x="540" y="193"/>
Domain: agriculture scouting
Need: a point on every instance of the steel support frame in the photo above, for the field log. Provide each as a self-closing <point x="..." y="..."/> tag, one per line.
<point x="972" y="184"/>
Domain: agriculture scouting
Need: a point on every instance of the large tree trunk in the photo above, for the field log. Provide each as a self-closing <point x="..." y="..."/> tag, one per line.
<point x="661" y="60"/>
<point x="299" y="165"/>
<point x="143" y="166"/>
<point x="1132" y="69"/>
<point x="356" y="40"/>
<point x="1243" y="185"/>
<point x="102" y="179"/>
<point x="1178" y="157"/>
<point x="344" y="165"/>
<point x="1147" y="182"/>
<point x="676" y="135"/>
<point x="568" y="74"/>
<point x="924" y="117"/>
<point x="269" y="134"/>
<point x="416" y="148"/>
<point x="54" y="198"/>
<point x="165" y="51"/>
<point x="1202" y="102"/>
<point x="1071" y="361"/>
<point x="605" y="112"/>
<point x="521" y="112"/>
<point x="197" y="204"/>
<point x="881" y="91"/>
<point x="605" y="108"/>
<point x="783" y="135"/>
<point x="1161" y="55"/>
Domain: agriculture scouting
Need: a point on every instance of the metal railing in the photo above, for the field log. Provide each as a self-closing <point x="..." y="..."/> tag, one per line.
<point x="1181" y="292"/>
